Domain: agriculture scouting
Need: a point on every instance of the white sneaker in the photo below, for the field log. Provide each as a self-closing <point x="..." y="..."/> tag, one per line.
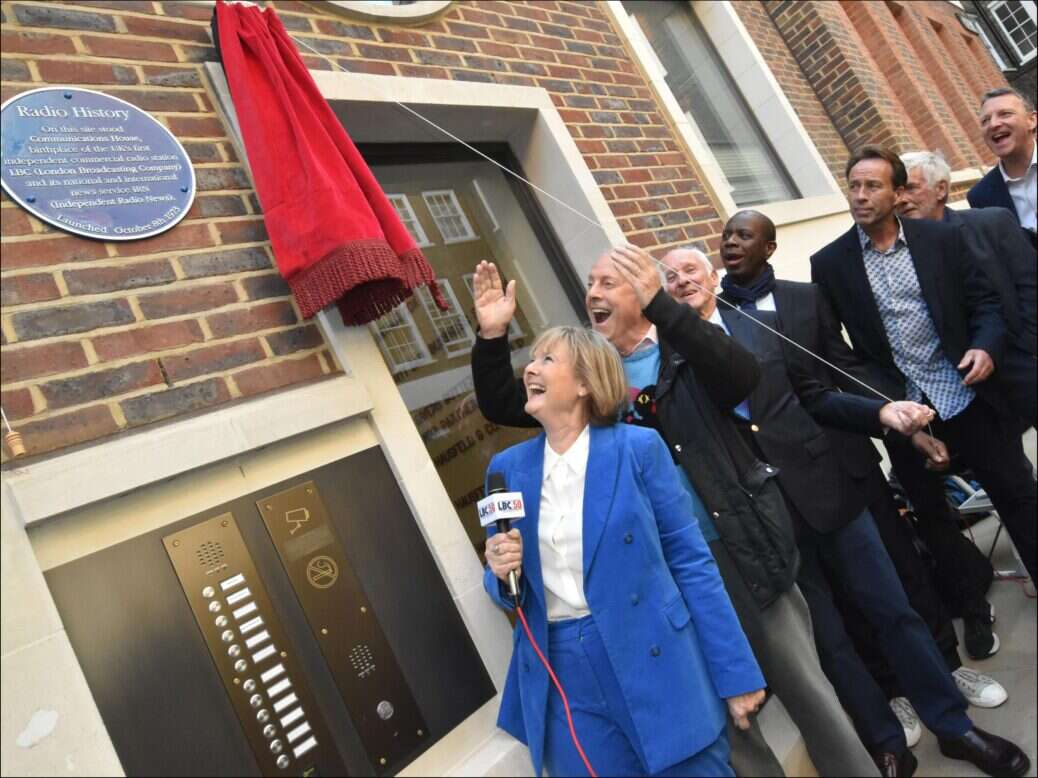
<point x="909" y="720"/>
<point x="981" y="690"/>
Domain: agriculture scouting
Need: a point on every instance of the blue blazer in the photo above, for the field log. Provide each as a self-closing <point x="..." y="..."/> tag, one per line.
<point x="676" y="648"/>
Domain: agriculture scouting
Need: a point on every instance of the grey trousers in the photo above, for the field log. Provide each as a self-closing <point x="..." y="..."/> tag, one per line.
<point x="783" y="641"/>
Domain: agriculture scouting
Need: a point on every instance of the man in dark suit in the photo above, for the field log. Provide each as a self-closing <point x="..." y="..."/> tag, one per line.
<point x="1007" y="258"/>
<point x="1008" y="120"/>
<point x="927" y="325"/>
<point x="829" y="477"/>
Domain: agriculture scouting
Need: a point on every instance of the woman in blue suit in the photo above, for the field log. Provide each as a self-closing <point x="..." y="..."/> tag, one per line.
<point x="618" y="586"/>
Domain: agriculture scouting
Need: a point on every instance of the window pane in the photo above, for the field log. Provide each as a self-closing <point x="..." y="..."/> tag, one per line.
<point x="451" y="326"/>
<point x="403" y="209"/>
<point x="1017" y="19"/>
<point x="449" y="217"/>
<point x="712" y="101"/>
<point x="428" y="350"/>
<point x="400" y="340"/>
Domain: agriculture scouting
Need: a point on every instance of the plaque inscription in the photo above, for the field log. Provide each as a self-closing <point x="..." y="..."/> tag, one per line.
<point x="92" y="164"/>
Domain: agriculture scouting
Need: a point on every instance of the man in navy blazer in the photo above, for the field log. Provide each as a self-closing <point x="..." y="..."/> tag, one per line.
<point x="1008" y="120"/>
<point x="926" y="323"/>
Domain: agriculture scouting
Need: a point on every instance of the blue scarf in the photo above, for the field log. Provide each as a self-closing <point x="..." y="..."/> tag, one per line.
<point x="747" y="296"/>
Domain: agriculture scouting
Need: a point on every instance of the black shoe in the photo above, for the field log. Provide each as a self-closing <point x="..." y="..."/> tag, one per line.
<point x="980" y="641"/>
<point x="896" y="765"/>
<point x="994" y="755"/>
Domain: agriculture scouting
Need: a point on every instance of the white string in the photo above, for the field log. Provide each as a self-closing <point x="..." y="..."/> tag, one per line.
<point x="6" y="422"/>
<point x="598" y="225"/>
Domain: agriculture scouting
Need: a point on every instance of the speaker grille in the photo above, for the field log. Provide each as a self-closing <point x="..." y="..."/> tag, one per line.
<point x="209" y="553"/>
<point x="362" y="660"/>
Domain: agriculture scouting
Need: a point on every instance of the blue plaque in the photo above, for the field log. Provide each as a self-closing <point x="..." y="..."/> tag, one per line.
<point x="93" y="164"/>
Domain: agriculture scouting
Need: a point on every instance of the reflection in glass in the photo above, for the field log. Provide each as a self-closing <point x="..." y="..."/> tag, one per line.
<point x="469" y="213"/>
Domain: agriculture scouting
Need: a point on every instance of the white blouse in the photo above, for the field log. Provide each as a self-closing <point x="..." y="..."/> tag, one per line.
<point x="561" y="529"/>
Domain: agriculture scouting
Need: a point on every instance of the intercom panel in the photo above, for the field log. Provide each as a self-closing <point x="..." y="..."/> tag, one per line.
<point x="225" y="641"/>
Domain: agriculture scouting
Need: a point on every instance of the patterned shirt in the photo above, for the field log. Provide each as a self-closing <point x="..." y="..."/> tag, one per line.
<point x="910" y="330"/>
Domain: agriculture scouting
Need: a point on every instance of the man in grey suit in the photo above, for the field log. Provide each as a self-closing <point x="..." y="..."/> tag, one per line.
<point x="1005" y="256"/>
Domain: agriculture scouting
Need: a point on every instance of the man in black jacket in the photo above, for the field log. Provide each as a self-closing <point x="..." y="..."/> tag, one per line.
<point x="830" y="478"/>
<point x="686" y="377"/>
<point x="1007" y="258"/>
<point x="926" y="324"/>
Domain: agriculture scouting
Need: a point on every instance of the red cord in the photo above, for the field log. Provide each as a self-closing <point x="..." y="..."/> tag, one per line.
<point x="565" y="701"/>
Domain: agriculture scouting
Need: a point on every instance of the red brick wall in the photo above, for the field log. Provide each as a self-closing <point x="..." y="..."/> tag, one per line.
<point x="795" y="86"/>
<point x="100" y="338"/>
<point x="903" y="74"/>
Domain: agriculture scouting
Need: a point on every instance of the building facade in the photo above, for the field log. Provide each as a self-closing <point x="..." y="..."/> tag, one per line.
<point x="154" y="379"/>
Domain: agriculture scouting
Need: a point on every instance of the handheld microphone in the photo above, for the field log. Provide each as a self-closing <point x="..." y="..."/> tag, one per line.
<point x="499" y="508"/>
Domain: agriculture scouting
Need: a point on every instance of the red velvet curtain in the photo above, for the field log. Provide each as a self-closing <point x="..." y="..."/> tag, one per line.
<point x="336" y="237"/>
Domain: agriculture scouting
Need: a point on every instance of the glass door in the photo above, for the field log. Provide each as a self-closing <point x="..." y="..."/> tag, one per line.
<point x="461" y="210"/>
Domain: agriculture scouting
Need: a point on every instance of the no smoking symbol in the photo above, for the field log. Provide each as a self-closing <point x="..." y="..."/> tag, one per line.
<point x="322" y="572"/>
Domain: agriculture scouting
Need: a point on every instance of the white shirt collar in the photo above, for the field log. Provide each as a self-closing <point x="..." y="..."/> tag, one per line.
<point x="575" y="456"/>
<point x="1034" y="161"/>
<point x="651" y="338"/>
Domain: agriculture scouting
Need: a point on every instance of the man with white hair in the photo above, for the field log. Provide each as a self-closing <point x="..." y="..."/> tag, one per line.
<point x="1007" y="259"/>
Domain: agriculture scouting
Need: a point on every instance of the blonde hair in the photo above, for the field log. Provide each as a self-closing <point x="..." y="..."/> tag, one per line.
<point x="596" y="364"/>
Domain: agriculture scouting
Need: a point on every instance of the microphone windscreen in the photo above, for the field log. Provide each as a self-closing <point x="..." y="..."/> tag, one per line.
<point x="496" y="483"/>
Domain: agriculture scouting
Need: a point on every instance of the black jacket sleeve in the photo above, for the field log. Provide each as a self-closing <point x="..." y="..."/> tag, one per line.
<point x="814" y="382"/>
<point x="500" y="395"/>
<point x="1019" y="255"/>
<point x="727" y="371"/>
<point x="987" y="328"/>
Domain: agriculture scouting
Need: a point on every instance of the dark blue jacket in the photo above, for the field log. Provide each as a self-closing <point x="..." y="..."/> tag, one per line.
<point x="1009" y="261"/>
<point x="962" y="303"/>
<point x="653" y="588"/>
<point x="991" y="192"/>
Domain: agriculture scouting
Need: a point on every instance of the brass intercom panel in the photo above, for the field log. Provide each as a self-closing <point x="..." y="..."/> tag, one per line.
<point x="160" y="621"/>
<point x="361" y="661"/>
<point x="248" y="644"/>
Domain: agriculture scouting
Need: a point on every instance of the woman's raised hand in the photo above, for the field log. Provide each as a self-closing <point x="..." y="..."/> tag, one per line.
<point x="495" y="303"/>
<point x="505" y="553"/>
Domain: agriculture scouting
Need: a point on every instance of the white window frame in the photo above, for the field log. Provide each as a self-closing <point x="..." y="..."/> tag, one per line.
<point x="401" y="203"/>
<point x="992" y="5"/>
<point x="436" y="317"/>
<point x="971" y="23"/>
<point x="762" y="93"/>
<point x="425" y="357"/>
<point x="470" y="234"/>
<point x="515" y="330"/>
<point x="494" y="226"/>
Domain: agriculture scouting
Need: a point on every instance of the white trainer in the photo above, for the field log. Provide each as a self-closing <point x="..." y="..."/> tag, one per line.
<point x="980" y="690"/>
<point x="909" y="720"/>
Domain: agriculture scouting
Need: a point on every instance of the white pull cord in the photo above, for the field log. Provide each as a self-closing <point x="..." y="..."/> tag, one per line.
<point x="598" y="225"/>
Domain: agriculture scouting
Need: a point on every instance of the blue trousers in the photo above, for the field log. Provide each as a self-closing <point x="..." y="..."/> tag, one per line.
<point x="853" y="558"/>
<point x="600" y="714"/>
